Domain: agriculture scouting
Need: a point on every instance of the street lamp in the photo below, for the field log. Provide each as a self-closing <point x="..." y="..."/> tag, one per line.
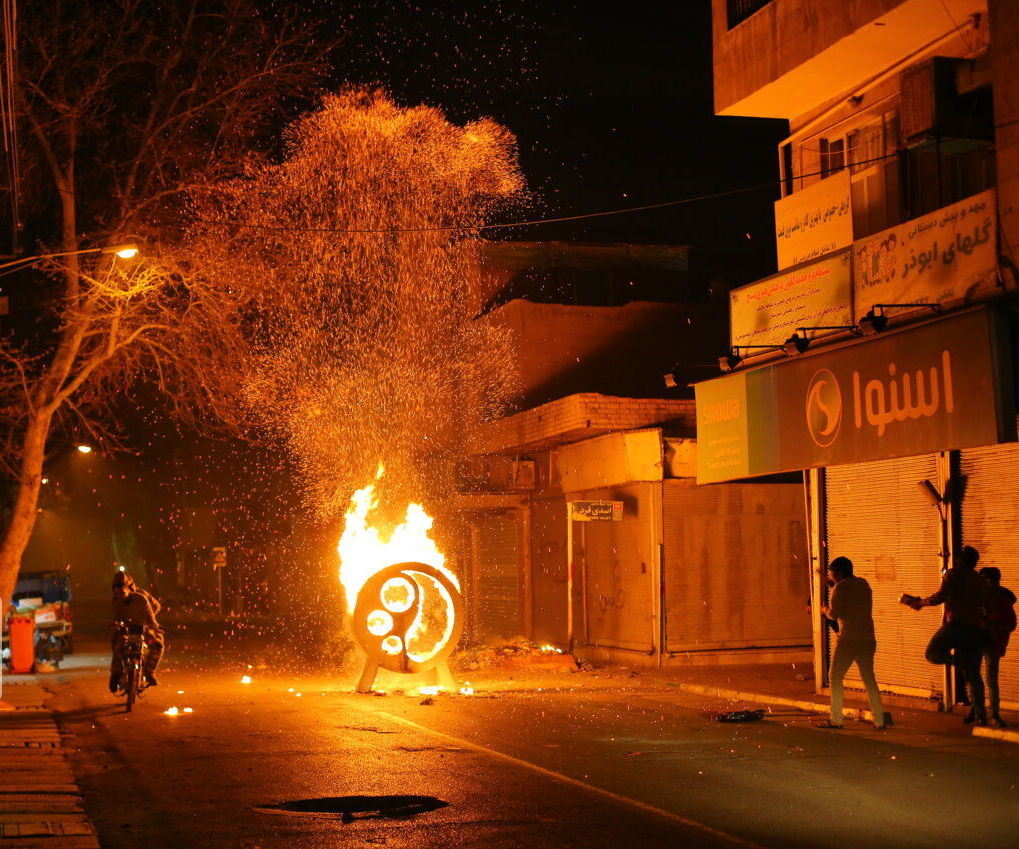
<point x="85" y="449"/>
<point x="727" y="362"/>
<point x="876" y="320"/>
<point x="797" y="344"/>
<point x="126" y="250"/>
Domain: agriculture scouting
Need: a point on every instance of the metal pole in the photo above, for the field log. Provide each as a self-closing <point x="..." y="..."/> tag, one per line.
<point x="569" y="578"/>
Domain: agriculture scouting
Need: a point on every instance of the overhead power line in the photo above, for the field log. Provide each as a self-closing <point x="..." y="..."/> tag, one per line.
<point x="533" y="221"/>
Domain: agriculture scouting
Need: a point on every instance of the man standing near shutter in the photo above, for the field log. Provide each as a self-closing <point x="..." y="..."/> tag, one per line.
<point x="966" y="595"/>
<point x="851" y="606"/>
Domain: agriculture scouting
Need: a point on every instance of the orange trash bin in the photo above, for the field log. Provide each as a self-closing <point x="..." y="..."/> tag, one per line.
<point x="22" y="632"/>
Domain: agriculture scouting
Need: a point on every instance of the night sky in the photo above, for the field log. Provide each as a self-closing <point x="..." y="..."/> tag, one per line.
<point x="611" y="105"/>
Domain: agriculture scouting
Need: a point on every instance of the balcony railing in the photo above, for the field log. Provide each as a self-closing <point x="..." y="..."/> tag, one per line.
<point x="740" y="10"/>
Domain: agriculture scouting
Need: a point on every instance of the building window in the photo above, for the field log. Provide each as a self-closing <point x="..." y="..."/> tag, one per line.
<point x="833" y="156"/>
<point x="740" y="10"/>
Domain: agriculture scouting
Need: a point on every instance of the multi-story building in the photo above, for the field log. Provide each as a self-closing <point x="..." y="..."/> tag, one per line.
<point x="881" y="358"/>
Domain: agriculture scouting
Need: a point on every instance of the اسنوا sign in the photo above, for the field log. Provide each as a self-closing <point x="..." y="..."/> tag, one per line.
<point x="596" y="511"/>
<point x="942" y="385"/>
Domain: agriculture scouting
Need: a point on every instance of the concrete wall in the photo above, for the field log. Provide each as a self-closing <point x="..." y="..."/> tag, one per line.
<point x="1005" y="55"/>
<point x="625" y="350"/>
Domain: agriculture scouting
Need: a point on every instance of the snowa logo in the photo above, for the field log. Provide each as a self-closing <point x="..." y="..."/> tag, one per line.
<point x="824" y="407"/>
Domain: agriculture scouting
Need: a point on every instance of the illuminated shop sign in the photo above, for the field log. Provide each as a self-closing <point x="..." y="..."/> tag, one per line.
<point x="945" y="384"/>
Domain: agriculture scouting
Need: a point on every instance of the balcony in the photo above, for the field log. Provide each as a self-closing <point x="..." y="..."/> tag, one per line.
<point x="789" y="57"/>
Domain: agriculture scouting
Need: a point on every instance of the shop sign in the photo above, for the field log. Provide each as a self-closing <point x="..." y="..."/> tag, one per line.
<point x="814" y="221"/>
<point x="942" y="385"/>
<point x="816" y="294"/>
<point x="947" y="257"/>
<point x="596" y="511"/>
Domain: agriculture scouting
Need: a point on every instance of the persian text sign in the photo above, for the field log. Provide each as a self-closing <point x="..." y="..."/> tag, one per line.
<point x="945" y="384"/>
<point x="768" y="311"/>
<point x="814" y="221"/>
<point x="946" y="257"/>
<point x="596" y="511"/>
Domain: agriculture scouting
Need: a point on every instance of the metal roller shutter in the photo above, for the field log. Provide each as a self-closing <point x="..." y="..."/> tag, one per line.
<point x="878" y="518"/>
<point x="735" y="564"/>
<point x="498" y="577"/>
<point x="548" y="562"/>
<point x="619" y="569"/>
<point x="990" y="510"/>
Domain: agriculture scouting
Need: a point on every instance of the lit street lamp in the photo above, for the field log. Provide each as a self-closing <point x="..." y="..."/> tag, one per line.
<point x="85" y="449"/>
<point x="123" y="251"/>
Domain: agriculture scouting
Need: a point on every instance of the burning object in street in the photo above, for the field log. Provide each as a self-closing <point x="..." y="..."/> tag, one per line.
<point x="405" y="605"/>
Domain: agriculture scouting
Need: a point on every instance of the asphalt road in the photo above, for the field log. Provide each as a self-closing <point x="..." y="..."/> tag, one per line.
<point x="609" y="764"/>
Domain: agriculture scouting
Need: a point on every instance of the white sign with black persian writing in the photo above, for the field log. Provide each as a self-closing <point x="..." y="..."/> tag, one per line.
<point x="814" y="221"/>
<point x="769" y="311"/>
<point x="947" y="257"/>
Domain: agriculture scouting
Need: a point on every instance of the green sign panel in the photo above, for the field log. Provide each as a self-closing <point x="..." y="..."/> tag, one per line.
<point x="942" y="385"/>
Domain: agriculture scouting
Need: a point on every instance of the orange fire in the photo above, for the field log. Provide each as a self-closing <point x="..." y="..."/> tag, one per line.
<point x="363" y="550"/>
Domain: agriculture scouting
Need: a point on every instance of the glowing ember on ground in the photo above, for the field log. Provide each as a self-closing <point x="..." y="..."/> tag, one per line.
<point x="188" y="710"/>
<point x="430" y="690"/>
<point x="171" y="711"/>
<point x="467" y="689"/>
<point x="547" y="649"/>
<point x="246" y="679"/>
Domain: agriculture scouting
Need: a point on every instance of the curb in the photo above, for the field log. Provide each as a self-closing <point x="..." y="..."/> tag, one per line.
<point x="40" y="801"/>
<point x="997" y="734"/>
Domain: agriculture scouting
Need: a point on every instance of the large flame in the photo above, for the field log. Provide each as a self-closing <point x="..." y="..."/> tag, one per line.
<point x="363" y="551"/>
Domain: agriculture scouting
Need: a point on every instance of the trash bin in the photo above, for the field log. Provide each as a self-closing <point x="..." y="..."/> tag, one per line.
<point x="22" y="631"/>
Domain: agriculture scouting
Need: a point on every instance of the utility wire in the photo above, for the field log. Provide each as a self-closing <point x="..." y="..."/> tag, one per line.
<point x="535" y="221"/>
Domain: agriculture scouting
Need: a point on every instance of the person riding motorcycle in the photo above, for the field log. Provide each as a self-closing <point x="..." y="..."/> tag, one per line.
<point x="134" y="606"/>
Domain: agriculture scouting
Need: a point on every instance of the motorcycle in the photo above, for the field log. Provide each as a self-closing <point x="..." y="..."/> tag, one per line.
<point x="133" y="649"/>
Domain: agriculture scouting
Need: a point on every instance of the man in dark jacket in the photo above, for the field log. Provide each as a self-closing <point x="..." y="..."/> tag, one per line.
<point x="134" y="606"/>
<point x="965" y="594"/>
<point x="1001" y="622"/>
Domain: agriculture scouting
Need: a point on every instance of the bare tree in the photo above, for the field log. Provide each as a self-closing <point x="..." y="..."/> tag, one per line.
<point x="131" y="107"/>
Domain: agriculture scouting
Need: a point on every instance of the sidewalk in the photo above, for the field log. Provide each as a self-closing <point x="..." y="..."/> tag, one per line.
<point x="789" y="685"/>
<point x="40" y="803"/>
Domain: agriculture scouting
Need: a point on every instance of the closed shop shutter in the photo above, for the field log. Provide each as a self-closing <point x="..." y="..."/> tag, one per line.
<point x="548" y="561"/>
<point x="878" y="518"/>
<point x="618" y="568"/>
<point x="498" y="577"/>
<point x="735" y="565"/>
<point x="990" y="510"/>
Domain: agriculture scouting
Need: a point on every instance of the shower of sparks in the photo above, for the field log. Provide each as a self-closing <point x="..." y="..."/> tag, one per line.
<point x="369" y="345"/>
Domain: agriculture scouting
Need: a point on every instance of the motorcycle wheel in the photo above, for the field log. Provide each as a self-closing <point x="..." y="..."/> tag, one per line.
<point x="132" y="687"/>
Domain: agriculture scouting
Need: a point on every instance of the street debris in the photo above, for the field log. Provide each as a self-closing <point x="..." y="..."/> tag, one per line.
<point x="741" y="716"/>
<point x="514" y="652"/>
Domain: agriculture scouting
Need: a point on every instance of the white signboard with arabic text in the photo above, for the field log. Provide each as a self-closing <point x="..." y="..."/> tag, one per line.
<point x="814" y="221"/>
<point x="947" y="257"/>
<point x="815" y="294"/>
